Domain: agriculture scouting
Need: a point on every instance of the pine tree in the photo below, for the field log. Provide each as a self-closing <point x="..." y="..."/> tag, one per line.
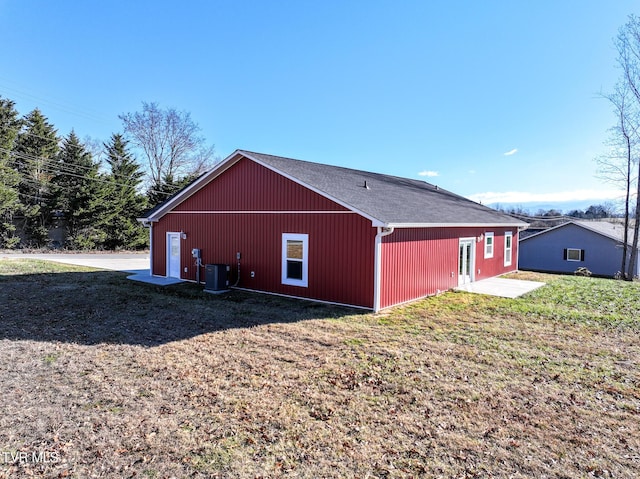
<point x="162" y="190"/>
<point x="35" y="150"/>
<point x="124" y="201"/>
<point x="78" y="193"/>
<point x="9" y="177"/>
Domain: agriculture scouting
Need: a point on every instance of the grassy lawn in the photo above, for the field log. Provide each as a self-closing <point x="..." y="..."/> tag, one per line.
<point x="103" y="377"/>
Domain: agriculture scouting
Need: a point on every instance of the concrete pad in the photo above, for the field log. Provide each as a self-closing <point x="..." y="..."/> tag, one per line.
<point x="145" y="277"/>
<point x="505" y="288"/>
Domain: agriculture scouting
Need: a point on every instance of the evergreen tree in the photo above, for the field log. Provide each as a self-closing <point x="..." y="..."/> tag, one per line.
<point x="9" y="177"/>
<point x="78" y="193"/>
<point x="124" y="203"/>
<point x="35" y="150"/>
<point x="162" y="190"/>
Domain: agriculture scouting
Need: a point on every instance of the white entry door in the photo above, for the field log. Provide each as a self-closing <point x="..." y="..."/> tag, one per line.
<point x="466" y="261"/>
<point x="173" y="255"/>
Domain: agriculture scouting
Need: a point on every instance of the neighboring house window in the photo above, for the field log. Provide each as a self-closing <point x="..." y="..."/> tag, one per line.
<point x="295" y="259"/>
<point x="573" y="254"/>
<point x="508" y="247"/>
<point x="488" y="245"/>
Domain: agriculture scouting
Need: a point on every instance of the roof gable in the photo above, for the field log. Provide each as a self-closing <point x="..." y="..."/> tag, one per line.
<point x="250" y="186"/>
<point x="385" y="200"/>
<point x="607" y="229"/>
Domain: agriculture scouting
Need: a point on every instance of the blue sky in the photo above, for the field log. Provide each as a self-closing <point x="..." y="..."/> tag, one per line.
<point x="494" y="100"/>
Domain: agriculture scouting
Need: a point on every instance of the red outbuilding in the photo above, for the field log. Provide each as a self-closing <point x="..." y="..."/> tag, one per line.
<point x="327" y="233"/>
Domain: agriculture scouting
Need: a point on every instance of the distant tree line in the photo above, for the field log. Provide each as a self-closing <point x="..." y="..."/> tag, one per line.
<point x="553" y="217"/>
<point x="595" y="212"/>
<point x="56" y="191"/>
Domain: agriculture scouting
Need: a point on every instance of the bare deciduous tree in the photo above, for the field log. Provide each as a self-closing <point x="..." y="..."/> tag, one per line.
<point x="617" y="165"/>
<point x="628" y="46"/>
<point x="169" y="140"/>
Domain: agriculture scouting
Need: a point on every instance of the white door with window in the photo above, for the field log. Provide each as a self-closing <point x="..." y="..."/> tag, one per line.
<point x="466" y="260"/>
<point x="173" y="255"/>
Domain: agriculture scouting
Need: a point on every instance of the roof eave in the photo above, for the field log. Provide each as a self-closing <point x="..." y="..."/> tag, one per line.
<point x="238" y="154"/>
<point x="456" y="225"/>
<point x="586" y="226"/>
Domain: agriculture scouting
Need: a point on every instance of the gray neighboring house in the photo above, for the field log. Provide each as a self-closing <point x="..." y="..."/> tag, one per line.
<point x="595" y="245"/>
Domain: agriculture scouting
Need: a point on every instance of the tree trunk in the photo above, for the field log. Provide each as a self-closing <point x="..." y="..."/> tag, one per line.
<point x="625" y="233"/>
<point x="634" y="246"/>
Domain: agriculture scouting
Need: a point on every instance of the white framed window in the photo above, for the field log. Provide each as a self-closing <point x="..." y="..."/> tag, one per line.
<point x="508" y="247"/>
<point x="295" y="259"/>
<point x="488" y="245"/>
<point x="574" y="254"/>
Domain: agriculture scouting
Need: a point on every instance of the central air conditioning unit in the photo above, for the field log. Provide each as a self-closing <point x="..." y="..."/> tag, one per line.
<point x="216" y="278"/>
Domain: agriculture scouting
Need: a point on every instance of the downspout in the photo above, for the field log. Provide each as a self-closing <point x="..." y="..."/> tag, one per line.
<point x="377" y="265"/>
<point x="151" y="248"/>
<point x="517" y="243"/>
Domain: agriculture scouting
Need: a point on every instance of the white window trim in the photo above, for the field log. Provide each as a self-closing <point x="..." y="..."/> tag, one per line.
<point x="489" y="254"/>
<point x="508" y="249"/>
<point x="304" y="282"/>
<point x="579" y="254"/>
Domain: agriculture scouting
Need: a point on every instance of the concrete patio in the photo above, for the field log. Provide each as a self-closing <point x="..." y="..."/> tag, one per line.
<point x="505" y="288"/>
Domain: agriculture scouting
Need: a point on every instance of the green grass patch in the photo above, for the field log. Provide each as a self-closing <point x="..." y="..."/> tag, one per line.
<point x="605" y="302"/>
<point x="122" y="379"/>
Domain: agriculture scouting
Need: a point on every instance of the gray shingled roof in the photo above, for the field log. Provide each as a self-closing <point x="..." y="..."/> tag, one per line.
<point x="390" y="200"/>
<point x="611" y="230"/>
<point x="606" y="228"/>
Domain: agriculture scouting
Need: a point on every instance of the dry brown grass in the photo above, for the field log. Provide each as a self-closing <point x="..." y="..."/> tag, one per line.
<point x="117" y="379"/>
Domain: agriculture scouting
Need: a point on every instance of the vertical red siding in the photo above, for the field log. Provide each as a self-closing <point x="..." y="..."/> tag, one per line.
<point x="341" y="243"/>
<point x="248" y="186"/>
<point x="248" y="207"/>
<point x="418" y="262"/>
<point x="495" y="266"/>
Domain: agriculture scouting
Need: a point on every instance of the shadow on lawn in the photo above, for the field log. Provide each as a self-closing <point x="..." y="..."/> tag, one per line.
<point x="105" y="307"/>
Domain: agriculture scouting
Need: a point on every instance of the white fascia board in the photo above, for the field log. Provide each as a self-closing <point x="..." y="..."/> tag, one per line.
<point x="456" y="225"/>
<point x="195" y="186"/>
